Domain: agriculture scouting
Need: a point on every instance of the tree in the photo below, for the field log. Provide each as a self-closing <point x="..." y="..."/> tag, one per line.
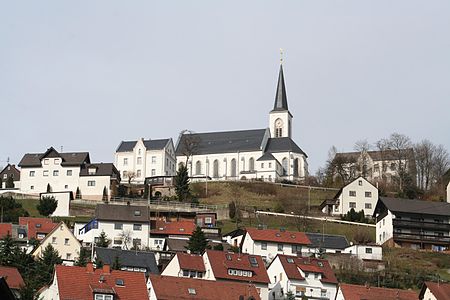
<point x="401" y="144"/>
<point x="102" y="240"/>
<point x="197" y="242"/>
<point x="10" y="210"/>
<point x="189" y="144"/>
<point x="362" y="146"/>
<point x="9" y="182"/>
<point x="46" y="264"/>
<point x="105" y="194"/>
<point x="232" y="210"/>
<point x="290" y="296"/>
<point x="49" y="188"/>
<point x="78" y="193"/>
<point x="47" y="205"/>
<point x="130" y="176"/>
<point x="83" y="258"/>
<point x="126" y="236"/>
<point x="116" y="263"/>
<point x="98" y="262"/>
<point x="182" y="188"/>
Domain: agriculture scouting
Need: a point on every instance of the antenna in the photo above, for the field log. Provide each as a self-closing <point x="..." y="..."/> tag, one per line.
<point x="62" y="148"/>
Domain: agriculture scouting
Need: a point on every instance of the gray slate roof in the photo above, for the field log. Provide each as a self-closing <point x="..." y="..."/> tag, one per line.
<point x="284" y="144"/>
<point x="266" y="156"/>
<point x="103" y="169"/>
<point x="129" y="258"/>
<point x="415" y="206"/>
<point x="124" y="213"/>
<point x="127" y="146"/>
<point x="328" y="241"/>
<point x="223" y="142"/>
<point x="68" y="158"/>
<point x="375" y="155"/>
<point x="281" y="96"/>
<point x="179" y="245"/>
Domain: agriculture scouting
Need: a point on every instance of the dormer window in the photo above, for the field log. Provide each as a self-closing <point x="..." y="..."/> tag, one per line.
<point x="103" y="297"/>
<point x="92" y="171"/>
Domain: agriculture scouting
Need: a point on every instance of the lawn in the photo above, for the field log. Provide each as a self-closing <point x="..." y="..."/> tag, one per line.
<point x="30" y="206"/>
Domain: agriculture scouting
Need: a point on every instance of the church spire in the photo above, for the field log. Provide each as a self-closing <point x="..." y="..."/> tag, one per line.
<point x="281" y="97"/>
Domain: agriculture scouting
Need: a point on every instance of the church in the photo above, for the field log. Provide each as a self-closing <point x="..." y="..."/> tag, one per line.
<point x="267" y="154"/>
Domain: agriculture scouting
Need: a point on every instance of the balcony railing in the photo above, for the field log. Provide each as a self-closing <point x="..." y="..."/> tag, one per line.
<point x="421" y="224"/>
<point x="423" y="238"/>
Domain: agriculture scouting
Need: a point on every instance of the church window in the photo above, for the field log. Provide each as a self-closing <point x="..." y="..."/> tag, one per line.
<point x="251" y="164"/>
<point x="284" y="163"/>
<point x="198" y="167"/>
<point x="296" y="167"/>
<point x="233" y="168"/>
<point x="262" y="165"/>
<point x="216" y="168"/>
<point x="278" y="127"/>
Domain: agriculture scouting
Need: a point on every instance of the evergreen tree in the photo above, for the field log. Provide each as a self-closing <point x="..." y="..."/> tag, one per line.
<point x="232" y="210"/>
<point x="105" y="195"/>
<point x="78" y="193"/>
<point x="46" y="264"/>
<point x="47" y="205"/>
<point x="49" y="188"/>
<point x="98" y="263"/>
<point x="197" y="242"/>
<point x="9" y="183"/>
<point x="116" y="264"/>
<point x="12" y="210"/>
<point x="7" y="250"/>
<point x="290" y="296"/>
<point x="83" y="258"/>
<point x="182" y="188"/>
<point x="102" y="241"/>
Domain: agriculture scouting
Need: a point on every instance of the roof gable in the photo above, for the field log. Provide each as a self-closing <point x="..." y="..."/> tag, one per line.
<point x="128" y="146"/>
<point x="422" y="207"/>
<point x="283" y="144"/>
<point x="357" y="292"/>
<point x="190" y="262"/>
<point x="124" y="213"/>
<point x="440" y="290"/>
<point x="292" y="264"/>
<point x="128" y="258"/>
<point x="12" y="276"/>
<point x="278" y="236"/>
<point x="67" y="233"/>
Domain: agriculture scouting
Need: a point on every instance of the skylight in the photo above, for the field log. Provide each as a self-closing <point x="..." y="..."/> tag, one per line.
<point x="137" y="213"/>
<point x="253" y="261"/>
<point x="290" y="260"/>
<point x="228" y="257"/>
<point x="120" y="282"/>
<point x="192" y="291"/>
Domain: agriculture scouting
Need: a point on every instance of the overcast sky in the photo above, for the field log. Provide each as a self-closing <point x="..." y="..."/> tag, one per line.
<point x="87" y="74"/>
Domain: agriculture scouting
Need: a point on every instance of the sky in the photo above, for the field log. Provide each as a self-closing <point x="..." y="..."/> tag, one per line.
<point x="85" y="75"/>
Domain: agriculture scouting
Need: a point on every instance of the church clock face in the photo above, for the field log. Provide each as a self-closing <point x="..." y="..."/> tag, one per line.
<point x="278" y="123"/>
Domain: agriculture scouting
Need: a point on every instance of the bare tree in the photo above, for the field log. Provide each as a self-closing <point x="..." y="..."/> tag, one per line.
<point x="126" y="235"/>
<point x="130" y="176"/>
<point x="424" y="152"/>
<point x="340" y="166"/>
<point x="362" y="146"/>
<point x="382" y="146"/>
<point x="189" y="143"/>
<point x="441" y="163"/>
<point x="401" y="144"/>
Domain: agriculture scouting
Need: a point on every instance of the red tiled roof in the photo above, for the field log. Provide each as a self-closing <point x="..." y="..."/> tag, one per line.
<point x="80" y="283"/>
<point x="307" y="264"/>
<point x="222" y="261"/>
<point x="191" y="262"/>
<point x="12" y="276"/>
<point x="441" y="291"/>
<point x="174" y="228"/>
<point x="37" y="225"/>
<point x="358" y="292"/>
<point x="277" y="236"/>
<point x="5" y="229"/>
<point x="177" y="288"/>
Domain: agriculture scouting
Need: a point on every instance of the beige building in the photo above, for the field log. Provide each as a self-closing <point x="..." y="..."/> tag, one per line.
<point x="63" y="240"/>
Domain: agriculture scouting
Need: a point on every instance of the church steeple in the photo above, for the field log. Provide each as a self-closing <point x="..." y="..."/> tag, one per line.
<point x="280" y="97"/>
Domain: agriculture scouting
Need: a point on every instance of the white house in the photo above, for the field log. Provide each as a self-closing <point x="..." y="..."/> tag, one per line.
<point x="434" y="291"/>
<point x="365" y="252"/>
<point x="267" y="154"/>
<point x="63" y="206"/>
<point x="359" y="194"/>
<point x="185" y="265"/>
<point x="448" y="192"/>
<point x="270" y="242"/>
<point x="303" y="276"/>
<point x="139" y="159"/>
<point x="52" y="171"/>
<point x="62" y="240"/>
<point x="126" y="226"/>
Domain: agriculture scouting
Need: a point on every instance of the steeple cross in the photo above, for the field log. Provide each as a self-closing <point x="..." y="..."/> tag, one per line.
<point x="281" y="55"/>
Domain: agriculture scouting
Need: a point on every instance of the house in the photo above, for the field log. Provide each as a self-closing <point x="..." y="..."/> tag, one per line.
<point x="10" y="171"/>
<point x="358" y="292"/>
<point x="359" y="194"/>
<point x="13" y="279"/>
<point x="63" y="202"/>
<point x="139" y="159"/>
<point x="435" y="291"/>
<point x="376" y="166"/>
<point x="37" y="228"/>
<point x="270" y="242"/>
<point x="129" y="260"/>
<point x="234" y="238"/>
<point x="62" y="239"/>
<point x="176" y="288"/>
<point x="185" y="265"/>
<point x="52" y="171"/>
<point x="237" y="267"/>
<point x="126" y="226"/>
<point x="327" y="243"/>
<point x="308" y="277"/>
<point x="5" y="291"/>
<point x="267" y="154"/>
<point x="413" y="224"/>
<point x="87" y="283"/>
<point x="177" y="229"/>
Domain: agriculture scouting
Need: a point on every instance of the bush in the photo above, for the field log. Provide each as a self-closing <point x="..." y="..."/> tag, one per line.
<point x="47" y="205"/>
<point x="12" y="210"/>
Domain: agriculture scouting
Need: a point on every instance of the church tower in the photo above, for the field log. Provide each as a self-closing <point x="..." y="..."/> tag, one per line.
<point x="280" y="119"/>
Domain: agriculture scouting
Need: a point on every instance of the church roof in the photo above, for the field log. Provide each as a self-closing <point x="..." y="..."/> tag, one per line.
<point x="283" y="144"/>
<point x="266" y="156"/>
<point x="223" y="142"/>
<point x="127" y="146"/>
<point x="281" y="96"/>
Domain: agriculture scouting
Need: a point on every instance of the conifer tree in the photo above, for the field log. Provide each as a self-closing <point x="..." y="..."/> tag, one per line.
<point x="197" y="242"/>
<point x="102" y="241"/>
<point x="47" y="205"/>
<point x="83" y="258"/>
<point x="9" y="182"/>
<point x="116" y="263"/>
<point x="46" y="264"/>
<point x="182" y="188"/>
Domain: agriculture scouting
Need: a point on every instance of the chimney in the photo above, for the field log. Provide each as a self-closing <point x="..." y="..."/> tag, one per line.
<point x="106" y="269"/>
<point x="90" y="267"/>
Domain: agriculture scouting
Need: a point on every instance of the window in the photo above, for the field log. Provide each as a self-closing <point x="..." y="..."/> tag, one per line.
<point x="216" y="168"/>
<point x="368" y="194"/>
<point x="32" y="187"/>
<point x="32" y="173"/>
<point x="393" y="167"/>
<point x="66" y="186"/>
<point x="153" y="159"/>
<point x="92" y="171"/>
<point x="253" y="261"/>
<point x="137" y="227"/>
<point x="45" y="173"/>
<point x="284" y="163"/>
<point x="316" y="275"/>
<point x="263" y="245"/>
<point x="153" y="172"/>
<point x="66" y="241"/>
<point x="352" y="205"/>
<point x="352" y="193"/>
<point x="251" y="164"/>
<point x="270" y="165"/>
<point x="137" y="213"/>
<point x="5" y="176"/>
<point x="138" y="173"/>
<point x="68" y="255"/>
<point x="280" y="247"/>
<point x="118" y="226"/>
<point x="56" y="161"/>
<point x="139" y="151"/>
<point x="296" y="249"/>
<point x="91" y="183"/>
<point x="186" y="273"/>
<point x="262" y="165"/>
<point x="55" y="173"/>
<point x="120" y="282"/>
<point x="69" y="173"/>
<point x="46" y="161"/>
<point x="191" y="291"/>
<point x="103" y="297"/>
<point x="368" y="206"/>
<point x="369" y="250"/>
<point x="139" y="161"/>
<point x="117" y="241"/>
<point x="290" y="260"/>
<point x="125" y="173"/>
<point x="136" y="242"/>
<point x="53" y="240"/>
<point x="198" y="167"/>
<point x="323" y="293"/>
<point x="125" y="161"/>
<point x="359" y="182"/>
<point x="208" y="220"/>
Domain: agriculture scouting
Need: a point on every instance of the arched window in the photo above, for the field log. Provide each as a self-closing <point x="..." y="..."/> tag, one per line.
<point x="284" y="163"/>
<point x="296" y="162"/>
<point x="251" y="164"/>
<point x="198" y="168"/>
<point x="216" y="168"/>
<point x="180" y="165"/>
<point x="233" y="167"/>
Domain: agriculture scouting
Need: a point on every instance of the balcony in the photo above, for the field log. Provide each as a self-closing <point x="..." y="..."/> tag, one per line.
<point x="422" y="238"/>
<point x="399" y="223"/>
